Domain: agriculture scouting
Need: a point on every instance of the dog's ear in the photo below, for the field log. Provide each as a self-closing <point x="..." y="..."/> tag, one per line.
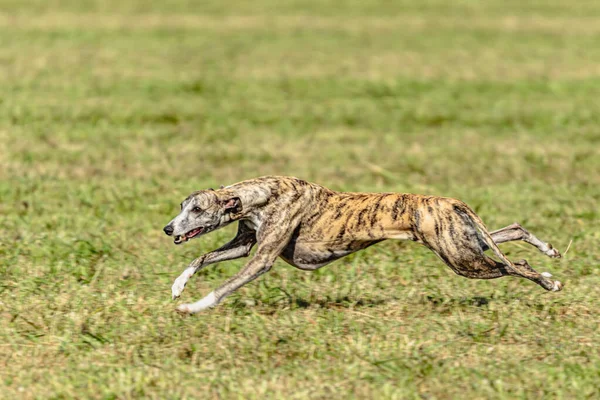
<point x="232" y="205"/>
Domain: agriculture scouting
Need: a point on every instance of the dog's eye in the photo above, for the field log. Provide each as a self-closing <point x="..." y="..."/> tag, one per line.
<point x="196" y="209"/>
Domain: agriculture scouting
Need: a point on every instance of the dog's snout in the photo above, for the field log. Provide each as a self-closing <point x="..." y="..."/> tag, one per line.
<point x="168" y="230"/>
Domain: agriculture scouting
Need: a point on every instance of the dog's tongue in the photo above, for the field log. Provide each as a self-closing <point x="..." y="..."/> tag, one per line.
<point x="193" y="233"/>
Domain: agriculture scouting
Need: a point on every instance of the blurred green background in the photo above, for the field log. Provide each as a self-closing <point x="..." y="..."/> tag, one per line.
<point x="112" y="112"/>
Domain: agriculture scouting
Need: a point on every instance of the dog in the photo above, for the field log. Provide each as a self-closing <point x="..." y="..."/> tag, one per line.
<point x="310" y="226"/>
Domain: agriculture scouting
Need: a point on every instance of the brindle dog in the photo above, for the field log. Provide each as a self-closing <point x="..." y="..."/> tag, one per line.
<point x="309" y="226"/>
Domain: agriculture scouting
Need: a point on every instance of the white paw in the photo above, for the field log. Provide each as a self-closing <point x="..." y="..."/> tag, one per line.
<point x="207" y="302"/>
<point x="546" y="274"/>
<point x="184" y="309"/>
<point x="557" y="286"/>
<point x="552" y="252"/>
<point x="178" y="287"/>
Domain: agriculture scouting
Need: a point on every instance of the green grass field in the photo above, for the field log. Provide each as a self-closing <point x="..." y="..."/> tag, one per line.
<point x="112" y="112"/>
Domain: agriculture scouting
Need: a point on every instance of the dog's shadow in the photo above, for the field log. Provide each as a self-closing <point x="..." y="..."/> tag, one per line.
<point x="349" y="301"/>
<point x="476" y="301"/>
<point x="287" y="301"/>
<point x="339" y="302"/>
<point x="357" y="302"/>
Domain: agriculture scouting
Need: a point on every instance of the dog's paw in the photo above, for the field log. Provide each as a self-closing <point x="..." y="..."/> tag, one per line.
<point x="184" y="309"/>
<point x="552" y="252"/>
<point x="209" y="301"/>
<point x="557" y="286"/>
<point x="177" y="288"/>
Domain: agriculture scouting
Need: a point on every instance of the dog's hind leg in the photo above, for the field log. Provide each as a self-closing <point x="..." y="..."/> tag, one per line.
<point x="462" y="249"/>
<point x="238" y="247"/>
<point x="521" y="268"/>
<point x="474" y="264"/>
<point x="517" y="232"/>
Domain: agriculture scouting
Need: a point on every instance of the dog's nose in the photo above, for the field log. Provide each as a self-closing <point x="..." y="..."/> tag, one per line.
<point x="168" y="230"/>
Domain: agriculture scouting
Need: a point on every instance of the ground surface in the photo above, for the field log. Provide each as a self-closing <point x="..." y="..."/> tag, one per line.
<point x="113" y="111"/>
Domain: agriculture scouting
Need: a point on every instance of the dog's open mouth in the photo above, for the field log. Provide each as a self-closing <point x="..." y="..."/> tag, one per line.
<point x="191" y="234"/>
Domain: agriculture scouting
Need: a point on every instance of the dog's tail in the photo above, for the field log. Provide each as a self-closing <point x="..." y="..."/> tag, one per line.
<point x="487" y="238"/>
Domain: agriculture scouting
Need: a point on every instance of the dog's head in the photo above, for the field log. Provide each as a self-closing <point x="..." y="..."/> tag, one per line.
<point x="202" y="212"/>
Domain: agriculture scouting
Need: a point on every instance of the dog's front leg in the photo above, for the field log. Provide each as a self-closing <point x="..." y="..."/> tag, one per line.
<point x="239" y="246"/>
<point x="271" y="244"/>
<point x="255" y="268"/>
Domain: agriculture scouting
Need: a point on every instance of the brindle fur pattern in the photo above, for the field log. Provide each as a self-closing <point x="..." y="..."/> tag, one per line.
<point x="310" y="226"/>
